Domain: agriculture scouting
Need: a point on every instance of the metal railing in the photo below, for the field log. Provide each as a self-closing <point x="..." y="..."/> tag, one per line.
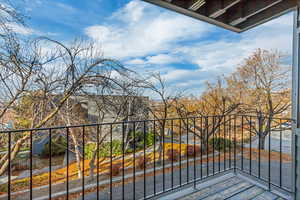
<point x="143" y="159"/>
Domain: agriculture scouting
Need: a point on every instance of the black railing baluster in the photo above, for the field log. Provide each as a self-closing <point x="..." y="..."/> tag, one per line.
<point x="83" y="161"/>
<point x="154" y="179"/>
<point x="219" y="143"/>
<point x="280" y="150"/>
<point x="98" y="159"/>
<point x="242" y="160"/>
<point x="214" y="140"/>
<point x="230" y="140"/>
<point x="195" y="152"/>
<point x="68" y="160"/>
<point x="269" y="172"/>
<point x="180" y="173"/>
<point x="163" y="156"/>
<point x="172" y="153"/>
<point x="207" y="147"/>
<point x="187" y="157"/>
<point x="9" y="166"/>
<point x="145" y="161"/>
<point x="134" y="159"/>
<point x="123" y="160"/>
<point x="259" y="147"/>
<point x="235" y="141"/>
<point x="224" y="132"/>
<point x="201" y="148"/>
<point x="250" y="130"/>
<point x="50" y="163"/>
<point x="111" y="163"/>
<point x="31" y="166"/>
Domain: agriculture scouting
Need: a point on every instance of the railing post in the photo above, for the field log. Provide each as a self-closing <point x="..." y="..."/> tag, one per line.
<point x="9" y="166"/>
<point x="259" y="145"/>
<point x="296" y="101"/>
<point x="235" y="141"/>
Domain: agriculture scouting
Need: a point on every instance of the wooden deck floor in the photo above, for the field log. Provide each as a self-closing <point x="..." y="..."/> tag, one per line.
<point x="230" y="187"/>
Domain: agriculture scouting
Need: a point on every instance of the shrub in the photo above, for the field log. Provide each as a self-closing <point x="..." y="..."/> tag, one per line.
<point x="173" y="154"/>
<point x="140" y="138"/>
<point x="150" y="137"/>
<point x="220" y="143"/>
<point x="4" y="188"/>
<point x="104" y="150"/>
<point x="58" y="147"/>
<point x="116" y="168"/>
<point x="142" y="162"/>
<point x="192" y="150"/>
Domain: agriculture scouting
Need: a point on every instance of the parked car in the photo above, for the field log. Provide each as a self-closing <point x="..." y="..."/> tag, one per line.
<point x="286" y="125"/>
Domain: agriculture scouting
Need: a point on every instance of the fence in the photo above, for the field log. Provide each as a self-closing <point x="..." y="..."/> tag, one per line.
<point x="143" y="159"/>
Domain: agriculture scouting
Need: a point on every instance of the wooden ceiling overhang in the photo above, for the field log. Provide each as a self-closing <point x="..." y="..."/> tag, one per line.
<point x="234" y="15"/>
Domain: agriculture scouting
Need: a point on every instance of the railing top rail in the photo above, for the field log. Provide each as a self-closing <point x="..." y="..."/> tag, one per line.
<point x="133" y="121"/>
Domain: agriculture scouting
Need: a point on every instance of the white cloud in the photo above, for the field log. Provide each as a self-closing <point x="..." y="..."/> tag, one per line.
<point x="27" y="31"/>
<point x="65" y="7"/>
<point x="153" y="39"/>
<point x="101" y="33"/>
<point x="224" y="55"/>
<point x="23" y="30"/>
<point x="132" y="12"/>
<point x="141" y="29"/>
<point x="136" y="61"/>
<point x="159" y="59"/>
<point x="163" y="59"/>
<point x="178" y="74"/>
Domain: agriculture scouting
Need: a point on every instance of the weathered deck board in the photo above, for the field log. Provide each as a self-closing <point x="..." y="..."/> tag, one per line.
<point x="234" y="188"/>
<point x="266" y="196"/>
<point x="208" y="191"/>
<point x="248" y="194"/>
<point x="230" y="191"/>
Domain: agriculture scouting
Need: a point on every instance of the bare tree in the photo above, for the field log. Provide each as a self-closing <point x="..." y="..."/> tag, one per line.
<point x="88" y="63"/>
<point x="116" y="102"/>
<point x="264" y="83"/>
<point x="75" y="67"/>
<point x="39" y="77"/>
<point x="160" y="109"/>
<point x="212" y="107"/>
<point x="20" y="62"/>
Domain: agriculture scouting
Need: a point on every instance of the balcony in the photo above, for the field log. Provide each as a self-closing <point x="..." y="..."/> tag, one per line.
<point x="210" y="157"/>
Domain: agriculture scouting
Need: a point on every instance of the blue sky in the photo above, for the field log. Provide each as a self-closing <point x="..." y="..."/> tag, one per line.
<point x="150" y="39"/>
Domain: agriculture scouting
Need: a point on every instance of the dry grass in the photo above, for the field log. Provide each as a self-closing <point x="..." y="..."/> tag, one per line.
<point x="60" y="175"/>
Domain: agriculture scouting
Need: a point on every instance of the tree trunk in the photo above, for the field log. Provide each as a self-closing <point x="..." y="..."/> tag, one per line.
<point x="96" y="154"/>
<point x="160" y="149"/>
<point x="77" y="153"/>
<point x="127" y="138"/>
<point x="14" y="152"/>
<point x="161" y="146"/>
<point x="262" y="139"/>
<point x="92" y="162"/>
<point x="204" y="146"/>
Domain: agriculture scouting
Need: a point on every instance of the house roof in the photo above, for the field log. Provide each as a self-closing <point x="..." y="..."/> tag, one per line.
<point x="234" y="15"/>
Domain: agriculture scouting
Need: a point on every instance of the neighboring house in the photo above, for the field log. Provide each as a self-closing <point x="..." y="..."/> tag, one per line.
<point x="109" y="108"/>
<point x="40" y="146"/>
